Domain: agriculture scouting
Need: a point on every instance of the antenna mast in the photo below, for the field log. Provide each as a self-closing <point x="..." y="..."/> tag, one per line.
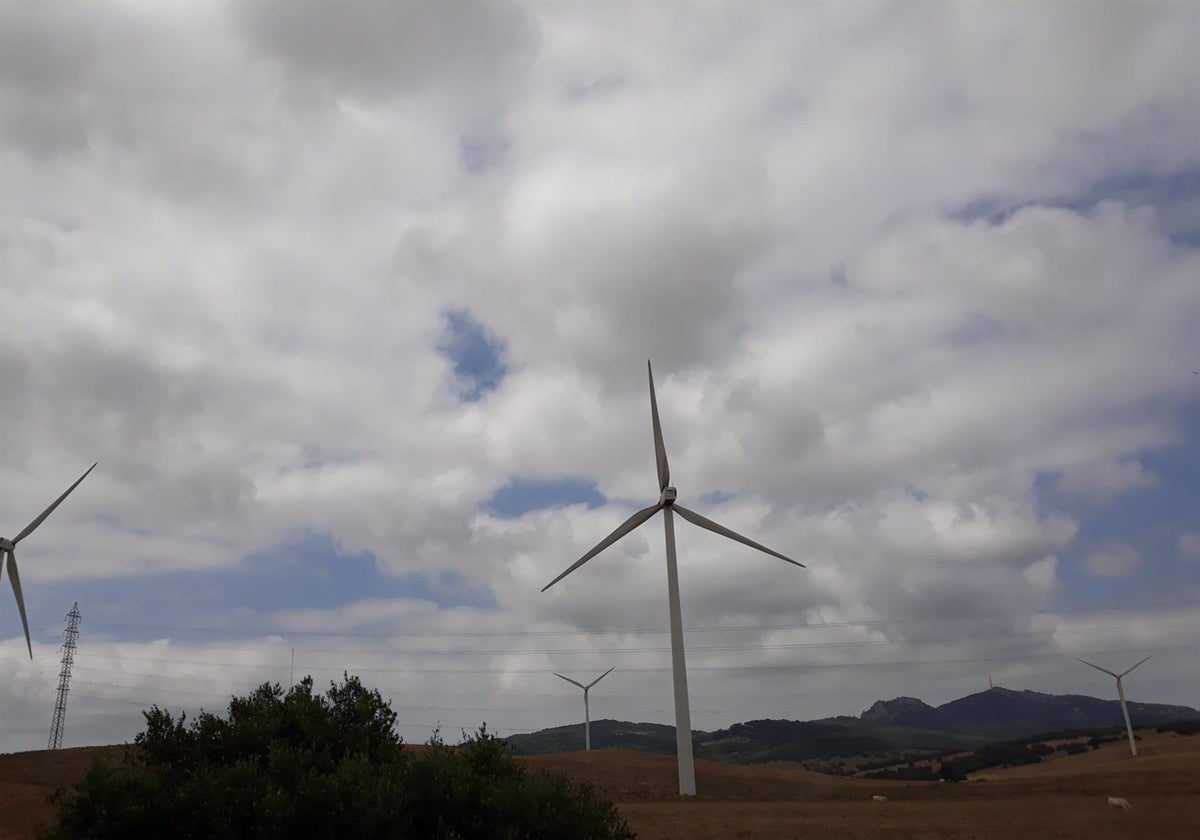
<point x="64" y="677"/>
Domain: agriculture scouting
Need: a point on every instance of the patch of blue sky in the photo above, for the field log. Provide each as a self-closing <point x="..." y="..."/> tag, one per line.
<point x="308" y="572"/>
<point x="522" y="495"/>
<point x="478" y="154"/>
<point x="1175" y="197"/>
<point x="476" y="354"/>
<point x="978" y="328"/>
<point x="1150" y="519"/>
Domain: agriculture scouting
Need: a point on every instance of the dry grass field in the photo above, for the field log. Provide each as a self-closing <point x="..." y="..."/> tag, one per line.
<point x="1060" y="798"/>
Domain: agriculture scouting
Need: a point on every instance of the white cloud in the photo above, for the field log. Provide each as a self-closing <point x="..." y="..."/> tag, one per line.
<point x="1043" y="574"/>
<point x="1105" y="479"/>
<point x="1114" y="559"/>
<point x="229" y="239"/>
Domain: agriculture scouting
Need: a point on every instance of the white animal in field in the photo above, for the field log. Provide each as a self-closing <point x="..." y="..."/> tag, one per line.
<point x="884" y="799"/>
<point x="1118" y="802"/>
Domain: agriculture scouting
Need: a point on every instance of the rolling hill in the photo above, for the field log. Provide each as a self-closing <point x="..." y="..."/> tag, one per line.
<point x="902" y="724"/>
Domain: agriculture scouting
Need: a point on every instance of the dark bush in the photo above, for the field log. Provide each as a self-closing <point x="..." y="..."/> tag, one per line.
<point x="950" y="773"/>
<point x="908" y="774"/>
<point x="1072" y="748"/>
<point x="997" y="755"/>
<point x="1182" y="727"/>
<point x="321" y="766"/>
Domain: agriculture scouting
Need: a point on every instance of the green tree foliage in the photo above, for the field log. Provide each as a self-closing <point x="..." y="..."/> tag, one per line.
<point x="322" y="766"/>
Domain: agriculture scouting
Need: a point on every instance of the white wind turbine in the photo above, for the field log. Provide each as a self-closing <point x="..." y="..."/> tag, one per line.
<point x="666" y="503"/>
<point x="8" y="549"/>
<point x="587" y="715"/>
<point x="1120" y="694"/>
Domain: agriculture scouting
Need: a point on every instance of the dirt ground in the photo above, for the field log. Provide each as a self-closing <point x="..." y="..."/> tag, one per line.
<point x="28" y="779"/>
<point x="1063" y="798"/>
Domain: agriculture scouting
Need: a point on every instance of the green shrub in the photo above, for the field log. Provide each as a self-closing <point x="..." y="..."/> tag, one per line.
<point x="322" y="766"/>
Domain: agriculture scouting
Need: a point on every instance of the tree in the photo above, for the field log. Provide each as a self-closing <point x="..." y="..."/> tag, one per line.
<point x="950" y="773"/>
<point x="308" y="765"/>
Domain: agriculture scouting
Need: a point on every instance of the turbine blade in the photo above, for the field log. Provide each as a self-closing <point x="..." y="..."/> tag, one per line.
<point x="568" y="679"/>
<point x="1098" y="668"/>
<point x="623" y="529"/>
<point x="660" y="448"/>
<point x="16" y="585"/>
<point x="602" y="676"/>
<point x="697" y="519"/>
<point x="1123" y="673"/>
<point x="29" y="529"/>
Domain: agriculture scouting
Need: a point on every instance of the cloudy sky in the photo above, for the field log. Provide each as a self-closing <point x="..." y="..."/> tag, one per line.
<point x="352" y="302"/>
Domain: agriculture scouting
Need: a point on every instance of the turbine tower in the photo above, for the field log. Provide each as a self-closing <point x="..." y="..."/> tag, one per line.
<point x="8" y="547"/>
<point x="64" y="678"/>
<point x="666" y="503"/>
<point x="1120" y="694"/>
<point x="587" y="715"/>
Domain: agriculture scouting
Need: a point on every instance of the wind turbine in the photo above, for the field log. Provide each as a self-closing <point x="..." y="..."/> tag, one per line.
<point x="1121" y="694"/>
<point x="8" y="548"/>
<point x="587" y="716"/>
<point x="666" y="503"/>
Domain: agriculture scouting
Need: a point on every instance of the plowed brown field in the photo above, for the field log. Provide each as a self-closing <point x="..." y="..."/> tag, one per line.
<point x="1062" y="798"/>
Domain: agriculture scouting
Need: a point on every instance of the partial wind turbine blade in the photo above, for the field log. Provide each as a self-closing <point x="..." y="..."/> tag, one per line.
<point x="697" y="519"/>
<point x="29" y="529"/>
<point x="16" y="585"/>
<point x="568" y="679"/>
<point x="660" y="448"/>
<point x="1123" y="673"/>
<point x="602" y="676"/>
<point x="1105" y="670"/>
<point x="623" y="529"/>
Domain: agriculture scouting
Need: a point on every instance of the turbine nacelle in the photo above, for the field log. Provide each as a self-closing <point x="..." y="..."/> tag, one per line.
<point x="6" y="544"/>
<point x="667" y="504"/>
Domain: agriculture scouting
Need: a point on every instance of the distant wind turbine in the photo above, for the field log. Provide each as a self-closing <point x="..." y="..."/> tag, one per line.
<point x="587" y="715"/>
<point x="1121" y="694"/>
<point x="666" y="503"/>
<point x="8" y="549"/>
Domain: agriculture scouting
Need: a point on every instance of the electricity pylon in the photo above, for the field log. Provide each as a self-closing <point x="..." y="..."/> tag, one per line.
<point x="64" y="678"/>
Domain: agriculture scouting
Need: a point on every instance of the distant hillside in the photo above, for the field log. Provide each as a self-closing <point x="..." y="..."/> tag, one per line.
<point x="606" y="735"/>
<point x="904" y="724"/>
<point x="745" y="743"/>
<point x="1002" y="713"/>
<point x="791" y="740"/>
<point x="903" y="711"/>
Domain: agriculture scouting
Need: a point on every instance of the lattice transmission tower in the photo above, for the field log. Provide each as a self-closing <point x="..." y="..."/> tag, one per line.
<point x="64" y="677"/>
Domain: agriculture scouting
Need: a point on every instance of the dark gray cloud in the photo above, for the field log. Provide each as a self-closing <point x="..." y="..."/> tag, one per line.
<point x="379" y="50"/>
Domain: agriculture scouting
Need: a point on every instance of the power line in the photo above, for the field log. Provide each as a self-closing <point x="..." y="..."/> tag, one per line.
<point x="641" y="650"/>
<point x="975" y="616"/>
<point x="701" y="668"/>
<point x="693" y="648"/>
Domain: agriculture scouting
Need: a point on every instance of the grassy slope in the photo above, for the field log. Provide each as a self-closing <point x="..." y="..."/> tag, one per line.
<point x="1063" y="797"/>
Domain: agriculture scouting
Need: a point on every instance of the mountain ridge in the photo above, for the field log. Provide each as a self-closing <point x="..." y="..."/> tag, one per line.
<point x="899" y="724"/>
<point x="1008" y="713"/>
